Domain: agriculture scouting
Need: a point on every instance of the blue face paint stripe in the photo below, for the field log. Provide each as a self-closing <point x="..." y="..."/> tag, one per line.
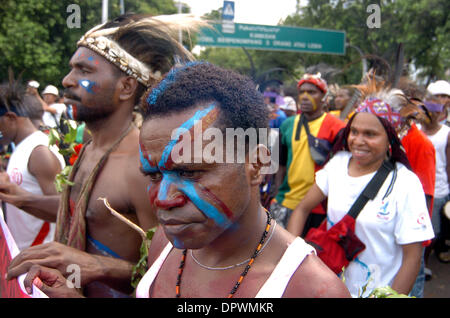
<point x="187" y="188"/>
<point x="167" y="180"/>
<point x="146" y="166"/>
<point x="208" y="209"/>
<point x="87" y="85"/>
<point x="180" y="130"/>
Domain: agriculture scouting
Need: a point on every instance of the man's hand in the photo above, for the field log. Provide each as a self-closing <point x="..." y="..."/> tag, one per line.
<point x="49" y="281"/>
<point x="11" y="192"/>
<point x="56" y="256"/>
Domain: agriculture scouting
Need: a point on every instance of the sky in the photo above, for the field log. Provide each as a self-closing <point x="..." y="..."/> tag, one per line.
<point x="266" y="12"/>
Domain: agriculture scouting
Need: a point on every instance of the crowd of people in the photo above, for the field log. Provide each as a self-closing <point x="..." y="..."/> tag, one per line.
<point x="222" y="228"/>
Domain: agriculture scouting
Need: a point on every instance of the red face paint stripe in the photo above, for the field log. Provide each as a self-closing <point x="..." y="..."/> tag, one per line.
<point x="215" y="200"/>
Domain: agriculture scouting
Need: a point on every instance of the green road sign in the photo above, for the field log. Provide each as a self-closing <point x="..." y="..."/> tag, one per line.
<point x="267" y="37"/>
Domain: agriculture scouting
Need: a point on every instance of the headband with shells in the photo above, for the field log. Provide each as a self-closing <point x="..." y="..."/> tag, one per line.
<point x="96" y="40"/>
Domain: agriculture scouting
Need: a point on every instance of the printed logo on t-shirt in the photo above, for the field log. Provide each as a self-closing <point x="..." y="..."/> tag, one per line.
<point x="383" y="212"/>
<point x="421" y="219"/>
<point x="16" y="176"/>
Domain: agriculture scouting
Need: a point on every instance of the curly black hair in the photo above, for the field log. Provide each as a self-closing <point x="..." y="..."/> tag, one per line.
<point x="14" y="98"/>
<point x="241" y="104"/>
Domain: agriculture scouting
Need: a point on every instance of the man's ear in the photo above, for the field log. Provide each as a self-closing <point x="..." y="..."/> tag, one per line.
<point x="127" y="86"/>
<point x="259" y="158"/>
<point x="11" y="116"/>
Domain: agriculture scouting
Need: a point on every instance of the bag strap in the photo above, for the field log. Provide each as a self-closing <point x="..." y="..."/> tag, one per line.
<point x="304" y="123"/>
<point x="372" y="188"/>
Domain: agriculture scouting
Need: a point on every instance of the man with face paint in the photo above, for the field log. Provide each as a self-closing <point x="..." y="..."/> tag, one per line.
<point x="297" y="168"/>
<point x="113" y="66"/>
<point x="215" y="238"/>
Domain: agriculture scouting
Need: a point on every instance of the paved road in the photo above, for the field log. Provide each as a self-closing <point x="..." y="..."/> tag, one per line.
<point x="439" y="285"/>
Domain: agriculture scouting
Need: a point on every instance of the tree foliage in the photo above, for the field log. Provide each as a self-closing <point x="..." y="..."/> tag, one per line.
<point x="420" y="28"/>
<point x="35" y="37"/>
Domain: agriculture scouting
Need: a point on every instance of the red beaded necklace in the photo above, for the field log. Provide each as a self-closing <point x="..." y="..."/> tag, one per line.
<point x="244" y="273"/>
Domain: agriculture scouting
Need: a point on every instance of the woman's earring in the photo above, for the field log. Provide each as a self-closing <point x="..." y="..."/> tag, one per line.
<point x="389" y="152"/>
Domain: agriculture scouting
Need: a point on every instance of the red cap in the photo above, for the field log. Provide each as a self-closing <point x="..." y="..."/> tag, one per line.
<point x="314" y="79"/>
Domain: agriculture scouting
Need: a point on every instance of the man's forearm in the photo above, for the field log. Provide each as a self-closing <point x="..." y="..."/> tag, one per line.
<point x="44" y="207"/>
<point x="114" y="272"/>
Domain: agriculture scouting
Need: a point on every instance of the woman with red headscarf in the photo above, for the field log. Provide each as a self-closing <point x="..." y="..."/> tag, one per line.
<point x="393" y="224"/>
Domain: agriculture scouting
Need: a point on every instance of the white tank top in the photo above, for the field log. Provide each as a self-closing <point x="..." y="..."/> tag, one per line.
<point x="275" y="285"/>
<point x="23" y="226"/>
<point x="439" y="140"/>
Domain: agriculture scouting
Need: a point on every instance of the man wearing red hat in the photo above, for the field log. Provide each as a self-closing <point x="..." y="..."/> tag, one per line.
<point x="297" y="166"/>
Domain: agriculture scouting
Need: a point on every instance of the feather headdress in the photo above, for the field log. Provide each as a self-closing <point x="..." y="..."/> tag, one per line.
<point x="389" y="103"/>
<point x="105" y="39"/>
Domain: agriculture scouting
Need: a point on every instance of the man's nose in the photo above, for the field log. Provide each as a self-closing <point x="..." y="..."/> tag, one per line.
<point x="175" y="202"/>
<point x="68" y="80"/>
<point x="169" y="196"/>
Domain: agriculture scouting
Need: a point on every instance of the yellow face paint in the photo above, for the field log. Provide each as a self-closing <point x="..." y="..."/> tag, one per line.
<point x="313" y="102"/>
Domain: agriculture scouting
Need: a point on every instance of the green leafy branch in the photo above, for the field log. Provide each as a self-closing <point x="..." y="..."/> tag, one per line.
<point x="66" y="144"/>
<point x="140" y="267"/>
<point x="379" y="292"/>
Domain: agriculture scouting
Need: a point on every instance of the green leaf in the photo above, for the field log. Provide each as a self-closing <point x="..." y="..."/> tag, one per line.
<point x="140" y="268"/>
<point x="53" y="137"/>
<point x="386" y="292"/>
<point x="62" y="179"/>
<point x="71" y="136"/>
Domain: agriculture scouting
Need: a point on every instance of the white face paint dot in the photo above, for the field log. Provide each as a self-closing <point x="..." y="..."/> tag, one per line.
<point x="84" y="83"/>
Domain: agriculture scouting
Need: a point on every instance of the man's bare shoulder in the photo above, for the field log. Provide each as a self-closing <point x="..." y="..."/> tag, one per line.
<point x="314" y="279"/>
<point x="125" y="159"/>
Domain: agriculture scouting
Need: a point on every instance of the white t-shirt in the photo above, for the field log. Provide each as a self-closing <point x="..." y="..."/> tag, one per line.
<point x="49" y="119"/>
<point x="383" y="225"/>
<point x="439" y="140"/>
<point x="25" y="227"/>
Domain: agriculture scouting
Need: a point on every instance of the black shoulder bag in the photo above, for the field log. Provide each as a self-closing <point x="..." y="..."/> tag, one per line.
<point x="318" y="148"/>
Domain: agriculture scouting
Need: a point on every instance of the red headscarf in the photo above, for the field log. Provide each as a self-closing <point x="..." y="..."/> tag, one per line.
<point x="316" y="80"/>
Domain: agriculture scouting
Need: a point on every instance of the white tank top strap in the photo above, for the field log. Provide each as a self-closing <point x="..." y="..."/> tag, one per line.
<point x="294" y="255"/>
<point x="274" y="287"/>
<point x="142" y="289"/>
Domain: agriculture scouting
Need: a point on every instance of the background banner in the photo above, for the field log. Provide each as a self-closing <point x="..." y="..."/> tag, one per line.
<point x="8" y="250"/>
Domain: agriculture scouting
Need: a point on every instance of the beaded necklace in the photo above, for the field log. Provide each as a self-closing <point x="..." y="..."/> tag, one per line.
<point x="235" y="265"/>
<point x="243" y="274"/>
